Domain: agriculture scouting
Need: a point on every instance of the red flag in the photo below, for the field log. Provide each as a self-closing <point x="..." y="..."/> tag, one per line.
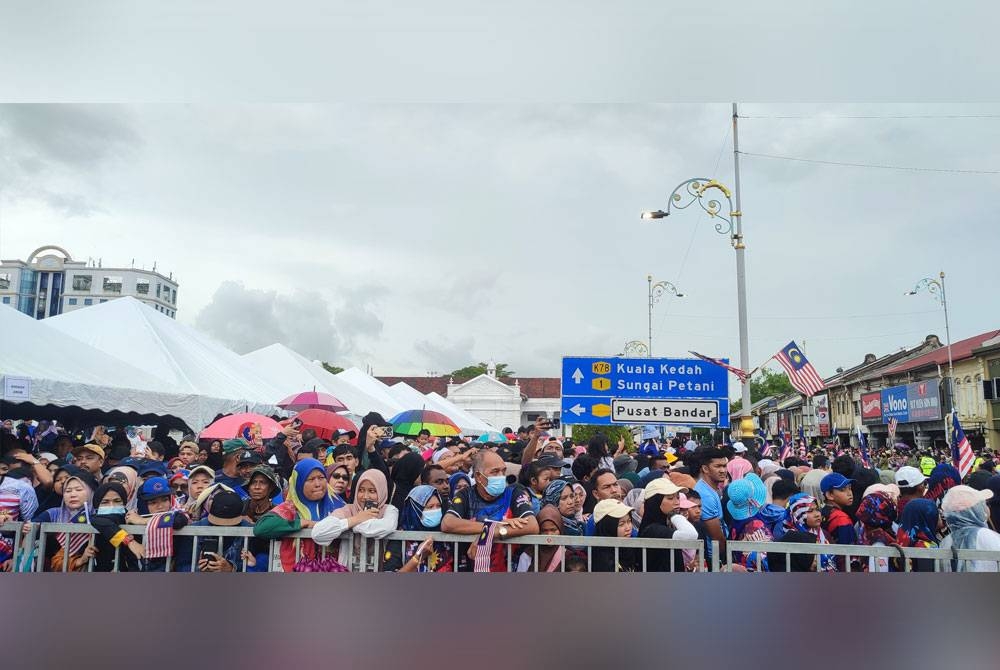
<point x="741" y="374"/>
<point x="484" y="546"/>
<point x="801" y="373"/>
<point x="159" y="540"/>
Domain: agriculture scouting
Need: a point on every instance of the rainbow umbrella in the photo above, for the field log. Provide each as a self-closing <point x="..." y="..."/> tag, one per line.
<point x="312" y="400"/>
<point x="493" y="436"/>
<point x="412" y="421"/>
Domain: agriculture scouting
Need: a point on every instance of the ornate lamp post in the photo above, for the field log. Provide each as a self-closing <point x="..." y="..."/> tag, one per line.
<point x="656" y="291"/>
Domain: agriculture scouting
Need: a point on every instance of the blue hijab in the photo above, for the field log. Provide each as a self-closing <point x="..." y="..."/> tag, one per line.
<point x="457" y="477"/>
<point x="315" y="510"/>
<point x="413" y="507"/>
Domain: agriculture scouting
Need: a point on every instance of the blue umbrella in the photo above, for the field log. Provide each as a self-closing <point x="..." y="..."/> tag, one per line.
<point x="492" y="436"/>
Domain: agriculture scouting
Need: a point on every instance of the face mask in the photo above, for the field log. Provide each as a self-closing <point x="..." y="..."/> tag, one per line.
<point x="496" y="485"/>
<point x="431" y="518"/>
<point x="111" y="509"/>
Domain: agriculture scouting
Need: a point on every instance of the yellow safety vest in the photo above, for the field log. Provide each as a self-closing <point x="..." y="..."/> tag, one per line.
<point x="927" y="465"/>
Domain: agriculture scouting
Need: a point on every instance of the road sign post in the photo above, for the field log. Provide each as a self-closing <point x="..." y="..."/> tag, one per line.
<point x="611" y="390"/>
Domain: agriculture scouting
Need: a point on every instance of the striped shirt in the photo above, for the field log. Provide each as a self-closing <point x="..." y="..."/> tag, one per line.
<point x="18" y="498"/>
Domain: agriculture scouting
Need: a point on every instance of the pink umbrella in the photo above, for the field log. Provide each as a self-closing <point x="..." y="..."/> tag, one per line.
<point x="230" y="427"/>
<point x="312" y="400"/>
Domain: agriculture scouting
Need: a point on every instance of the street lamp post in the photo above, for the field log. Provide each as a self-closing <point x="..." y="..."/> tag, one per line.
<point x="731" y="223"/>
<point x="636" y="349"/>
<point x="936" y="288"/>
<point x="655" y="292"/>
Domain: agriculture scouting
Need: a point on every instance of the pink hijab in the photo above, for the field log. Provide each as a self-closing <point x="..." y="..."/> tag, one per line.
<point x="738" y="468"/>
<point x="378" y="480"/>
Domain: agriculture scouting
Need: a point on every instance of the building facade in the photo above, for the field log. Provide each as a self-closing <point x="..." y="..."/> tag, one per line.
<point x="50" y="282"/>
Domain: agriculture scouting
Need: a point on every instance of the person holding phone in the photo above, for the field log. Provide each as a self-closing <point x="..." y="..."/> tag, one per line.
<point x="369" y="516"/>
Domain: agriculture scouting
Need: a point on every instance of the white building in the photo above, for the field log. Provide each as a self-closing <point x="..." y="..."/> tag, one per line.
<point x="50" y="282"/>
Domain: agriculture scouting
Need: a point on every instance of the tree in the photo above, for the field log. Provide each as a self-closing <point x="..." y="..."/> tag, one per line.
<point x="332" y="369"/>
<point x="582" y="434"/>
<point x="767" y="384"/>
<point x="470" y="371"/>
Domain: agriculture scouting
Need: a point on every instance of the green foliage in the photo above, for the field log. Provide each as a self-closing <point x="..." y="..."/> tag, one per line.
<point x="582" y="434"/>
<point x="332" y="369"/>
<point x="470" y="371"/>
<point x="768" y="383"/>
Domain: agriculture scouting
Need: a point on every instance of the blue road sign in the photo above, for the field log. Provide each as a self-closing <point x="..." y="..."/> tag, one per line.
<point x="589" y="384"/>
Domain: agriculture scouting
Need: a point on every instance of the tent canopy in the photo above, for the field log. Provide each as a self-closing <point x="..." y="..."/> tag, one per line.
<point x="414" y="399"/>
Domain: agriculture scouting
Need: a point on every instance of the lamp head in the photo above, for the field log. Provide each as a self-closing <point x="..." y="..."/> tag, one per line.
<point x="658" y="214"/>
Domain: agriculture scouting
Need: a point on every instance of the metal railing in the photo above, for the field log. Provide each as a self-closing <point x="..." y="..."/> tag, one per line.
<point x="30" y="550"/>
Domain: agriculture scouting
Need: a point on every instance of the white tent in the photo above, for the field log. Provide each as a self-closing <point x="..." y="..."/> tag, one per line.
<point x="291" y="373"/>
<point x="63" y="372"/>
<point x="372" y="387"/>
<point x="411" y="398"/>
<point x="187" y="359"/>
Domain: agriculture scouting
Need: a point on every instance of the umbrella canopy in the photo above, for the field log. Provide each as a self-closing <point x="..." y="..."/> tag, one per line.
<point x="312" y="400"/>
<point x="324" y="423"/>
<point x="493" y="436"/>
<point x="229" y="427"/>
<point x="413" y="421"/>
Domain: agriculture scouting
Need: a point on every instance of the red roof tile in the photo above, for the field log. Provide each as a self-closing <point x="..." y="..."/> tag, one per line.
<point x="959" y="351"/>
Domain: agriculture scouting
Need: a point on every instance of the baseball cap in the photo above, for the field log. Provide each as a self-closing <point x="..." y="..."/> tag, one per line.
<point x="95" y="448"/>
<point x="226" y="509"/>
<point x="250" y="457"/>
<point x="552" y="462"/>
<point x="155" y="487"/>
<point x="149" y="465"/>
<point x="959" y="498"/>
<point x="686" y="503"/>
<point x="662" y="486"/>
<point x="203" y="469"/>
<point x="610" y="507"/>
<point x="48" y="456"/>
<point x="909" y="476"/>
<point x="340" y="432"/>
<point x="832" y="481"/>
<point x="234" y="445"/>
<point x="739" y="447"/>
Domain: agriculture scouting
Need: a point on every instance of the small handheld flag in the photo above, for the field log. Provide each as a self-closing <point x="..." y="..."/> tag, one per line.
<point x="863" y="445"/>
<point x="159" y="540"/>
<point x="484" y="546"/>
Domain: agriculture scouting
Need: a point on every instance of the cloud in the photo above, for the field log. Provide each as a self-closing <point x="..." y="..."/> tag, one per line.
<point x="445" y="355"/>
<point x="247" y="319"/>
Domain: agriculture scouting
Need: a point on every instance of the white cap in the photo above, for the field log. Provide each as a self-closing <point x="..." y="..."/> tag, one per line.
<point x="963" y="497"/>
<point x="611" y="507"/>
<point x="739" y="447"/>
<point x="662" y="486"/>
<point x="908" y="477"/>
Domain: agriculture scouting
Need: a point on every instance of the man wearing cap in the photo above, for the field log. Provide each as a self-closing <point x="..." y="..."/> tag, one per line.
<point x="249" y="459"/>
<point x="912" y="484"/>
<point x="230" y="475"/>
<point x="89" y="457"/>
<point x="490" y="499"/>
<point x="156" y="497"/>
<point x="226" y="511"/>
<point x="739" y="449"/>
<point x="837" y="523"/>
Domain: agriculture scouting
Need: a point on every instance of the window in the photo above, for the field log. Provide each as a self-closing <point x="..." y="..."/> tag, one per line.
<point x="72" y="301"/>
<point x="112" y="284"/>
<point x="88" y="301"/>
<point x="173" y="296"/>
<point x="4" y="280"/>
<point x="82" y="282"/>
<point x="6" y="300"/>
<point x="158" y="286"/>
<point x="104" y="299"/>
<point x="142" y="286"/>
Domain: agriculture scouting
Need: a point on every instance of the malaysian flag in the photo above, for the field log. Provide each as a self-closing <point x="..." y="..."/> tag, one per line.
<point x="741" y="374"/>
<point x="801" y="373"/>
<point x="892" y="429"/>
<point x="802" y="442"/>
<point x="159" y="540"/>
<point x="961" y="450"/>
<point x="786" y="447"/>
<point x="484" y="546"/>
<point x="863" y="446"/>
<point x="76" y="540"/>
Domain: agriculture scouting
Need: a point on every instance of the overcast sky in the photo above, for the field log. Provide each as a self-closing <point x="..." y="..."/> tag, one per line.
<point x="420" y="238"/>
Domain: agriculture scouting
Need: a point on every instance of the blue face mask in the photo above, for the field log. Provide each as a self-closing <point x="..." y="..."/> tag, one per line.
<point x="111" y="509"/>
<point x="431" y="518"/>
<point x="496" y="485"/>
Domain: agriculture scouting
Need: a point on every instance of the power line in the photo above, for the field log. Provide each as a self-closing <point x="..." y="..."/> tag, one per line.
<point x="803" y="318"/>
<point x="869" y="165"/>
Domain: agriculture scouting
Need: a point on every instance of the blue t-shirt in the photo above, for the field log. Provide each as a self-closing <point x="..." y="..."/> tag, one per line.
<point x="711" y="508"/>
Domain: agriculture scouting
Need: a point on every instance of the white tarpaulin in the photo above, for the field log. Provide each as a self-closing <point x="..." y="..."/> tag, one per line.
<point x="187" y="359"/>
<point x="64" y="372"/>
<point x="373" y="387"/>
<point x="411" y="398"/>
<point x="478" y="426"/>
<point x="292" y="373"/>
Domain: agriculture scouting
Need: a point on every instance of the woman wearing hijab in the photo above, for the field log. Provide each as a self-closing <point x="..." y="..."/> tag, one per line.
<point x="634" y="499"/>
<point x="918" y="527"/>
<point x="550" y="557"/>
<point x="661" y="519"/>
<point x="804" y="516"/>
<point x="943" y="477"/>
<point x="993" y="504"/>
<point x="53" y="497"/>
<point x="738" y="468"/>
<point x="876" y="514"/>
<point x="108" y="516"/>
<point x="614" y="519"/>
<point x="560" y="495"/>
<point x="339" y="479"/>
<point x="421" y="512"/>
<point x="459" y="481"/>
<point x="128" y="477"/>
<point x="967" y="515"/>
<point x="405" y="475"/>
<point x="78" y="491"/>
<point x="368" y="516"/>
<point x="308" y="502"/>
<point x="753" y="520"/>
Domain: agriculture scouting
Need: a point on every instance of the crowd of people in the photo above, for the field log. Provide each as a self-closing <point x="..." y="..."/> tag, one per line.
<point x="331" y="505"/>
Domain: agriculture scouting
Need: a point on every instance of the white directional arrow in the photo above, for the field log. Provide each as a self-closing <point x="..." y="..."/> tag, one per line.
<point x="577" y="376"/>
<point x="577" y="409"/>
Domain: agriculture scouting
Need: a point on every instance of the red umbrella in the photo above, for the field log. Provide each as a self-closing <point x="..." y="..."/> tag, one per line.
<point x="324" y="423"/>
<point x="229" y="427"/>
<point x="312" y="400"/>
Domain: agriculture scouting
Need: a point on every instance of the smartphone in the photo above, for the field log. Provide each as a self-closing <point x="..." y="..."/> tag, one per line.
<point x="296" y="423"/>
<point x="554" y="423"/>
<point x="371" y="504"/>
<point x="386" y="433"/>
<point x="209" y="546"/>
